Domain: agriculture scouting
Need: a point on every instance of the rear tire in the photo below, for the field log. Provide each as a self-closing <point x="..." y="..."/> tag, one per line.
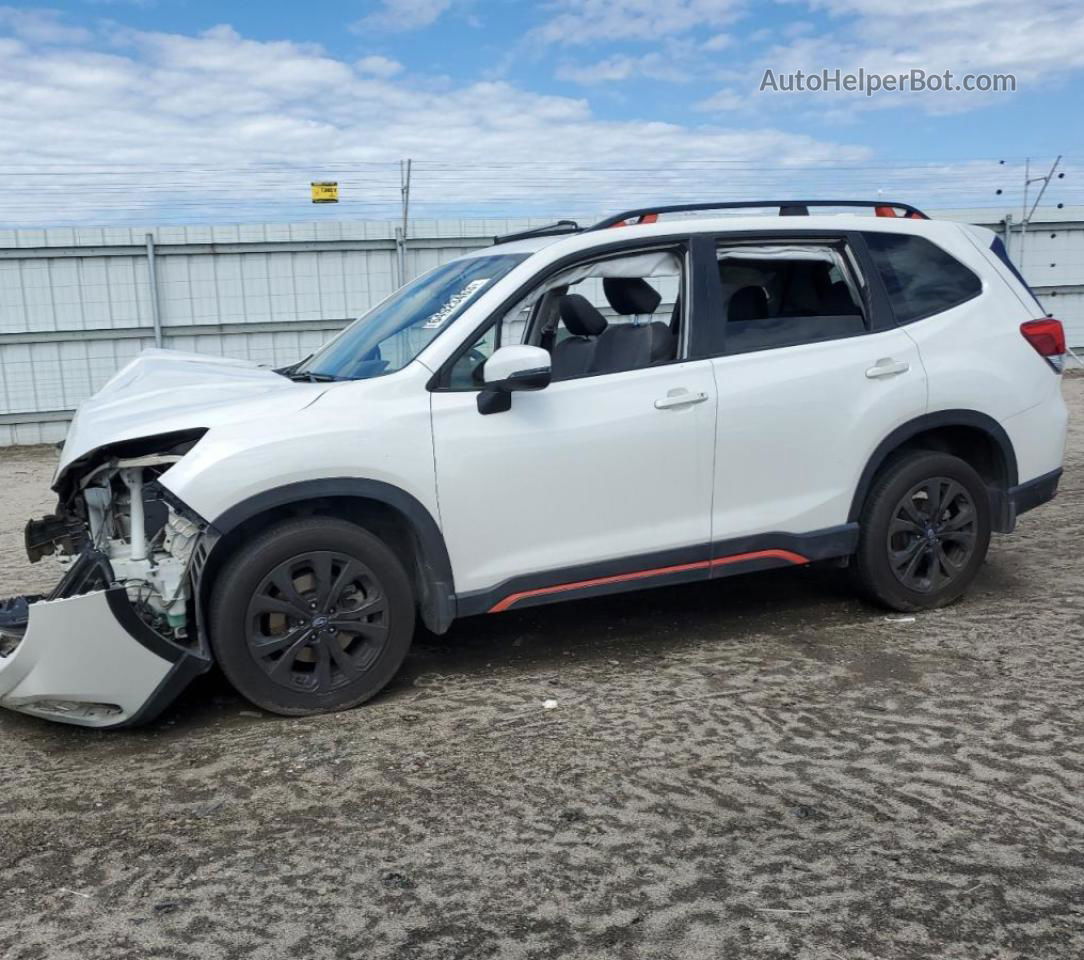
<point x="924" y="532"/>
<point x="314" y="615"/>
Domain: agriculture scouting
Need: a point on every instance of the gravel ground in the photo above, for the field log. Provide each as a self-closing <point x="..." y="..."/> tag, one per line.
<point x="763" y="767"/>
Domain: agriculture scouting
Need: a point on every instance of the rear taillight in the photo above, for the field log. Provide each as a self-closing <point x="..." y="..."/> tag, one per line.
<point x="1047" y="336"/>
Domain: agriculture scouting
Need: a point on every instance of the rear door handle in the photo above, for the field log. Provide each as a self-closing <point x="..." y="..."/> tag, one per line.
<point x="887" y="367"/>
<point x="679" y="398"/>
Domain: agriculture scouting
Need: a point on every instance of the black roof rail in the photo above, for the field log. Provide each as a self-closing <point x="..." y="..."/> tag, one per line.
<point x="551" y="229"/>
<point x="787" y="208"/>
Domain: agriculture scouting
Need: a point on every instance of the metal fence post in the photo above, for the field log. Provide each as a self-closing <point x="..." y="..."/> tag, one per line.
<point x="400" y="255"/>
<point x="152" y="278"/>
<point x="401" y="233"/>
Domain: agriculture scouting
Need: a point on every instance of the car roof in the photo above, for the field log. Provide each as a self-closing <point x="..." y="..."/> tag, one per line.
<point x="683" y="226"/>
<point x="524" y="245"/>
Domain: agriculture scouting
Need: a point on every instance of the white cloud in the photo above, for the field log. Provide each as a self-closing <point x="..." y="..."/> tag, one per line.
<point x="1033" y="41"/>
<point x="718" y="41"/>
<point x="379" y="66"/>
<point x="402" y="15"/>
<point x="588" y="21"/>
<point x="1036" y="41"/>
<point x="218" y="126"/>
<point x="604" y="71"/>
<point x="890" y="8"/>
<point x="40" y="26"/>
<point x="722" y="101"/>
<point x="654" y="66"/>
<point x="1040" y="43"/>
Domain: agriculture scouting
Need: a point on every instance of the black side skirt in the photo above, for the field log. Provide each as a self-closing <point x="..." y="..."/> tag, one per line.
<point x="723" y="558"/>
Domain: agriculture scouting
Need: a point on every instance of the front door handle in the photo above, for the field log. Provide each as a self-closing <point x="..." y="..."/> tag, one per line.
<point x="679" y="398"/>
<point x="887" y="367"/>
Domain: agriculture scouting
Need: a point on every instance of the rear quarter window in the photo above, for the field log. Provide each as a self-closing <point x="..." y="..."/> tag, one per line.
<point x="921" y="279"/>
<point x="999" y="251"/>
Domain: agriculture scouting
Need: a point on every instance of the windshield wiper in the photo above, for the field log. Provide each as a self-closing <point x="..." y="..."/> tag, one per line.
<point x="287" y="371"/>
<point x="308" y="377"/>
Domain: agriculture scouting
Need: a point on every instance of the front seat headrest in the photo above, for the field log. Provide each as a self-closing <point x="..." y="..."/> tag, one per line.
<point x="581" y="317"/>
<point x="631" y="295"/>
<point x="747" y="303"/>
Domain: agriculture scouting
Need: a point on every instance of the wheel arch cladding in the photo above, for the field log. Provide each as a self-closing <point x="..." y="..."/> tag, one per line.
<point x="391" y="513"/>
<point x="974" y="437"/>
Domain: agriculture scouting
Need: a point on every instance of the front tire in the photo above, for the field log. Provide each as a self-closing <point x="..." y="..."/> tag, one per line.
<point x="315" y="615"/>
<point x="924" y="532"/>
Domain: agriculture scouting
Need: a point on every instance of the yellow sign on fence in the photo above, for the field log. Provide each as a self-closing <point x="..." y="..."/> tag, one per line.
<point x="325" y="191"/>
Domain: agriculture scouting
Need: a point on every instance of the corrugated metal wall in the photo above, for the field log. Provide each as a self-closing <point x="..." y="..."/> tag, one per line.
<point x="1054" y="266"/>
<point x="1052" y="259"/>
<point x="76" y="303"/>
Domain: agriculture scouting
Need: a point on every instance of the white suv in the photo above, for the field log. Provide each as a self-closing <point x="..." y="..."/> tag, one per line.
<point x="565" y="414"/>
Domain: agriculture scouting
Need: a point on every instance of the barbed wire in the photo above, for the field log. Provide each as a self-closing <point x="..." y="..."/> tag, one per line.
<point x="75" y="193"/>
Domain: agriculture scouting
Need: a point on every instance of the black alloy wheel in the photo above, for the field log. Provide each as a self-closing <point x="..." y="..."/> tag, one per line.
<point x="932" y="535"/>
<point x="317" y="621"/>
<point x="923" y="531"/>
<point x="313" y="615"/>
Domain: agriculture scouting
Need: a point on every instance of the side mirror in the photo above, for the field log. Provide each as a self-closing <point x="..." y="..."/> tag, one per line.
<point x="511" y="369"/>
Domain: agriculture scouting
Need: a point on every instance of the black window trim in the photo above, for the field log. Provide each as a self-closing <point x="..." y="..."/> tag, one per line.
<point x="879" y="280"/>
<point x="711" y="334"/>
<point x="439" y="382"/>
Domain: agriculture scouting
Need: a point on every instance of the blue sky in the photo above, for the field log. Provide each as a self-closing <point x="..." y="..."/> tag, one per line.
<point x="510" y="107"/>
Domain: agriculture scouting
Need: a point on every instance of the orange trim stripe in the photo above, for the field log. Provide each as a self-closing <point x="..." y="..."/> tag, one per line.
<point x="597" y="582"/>
<point x="787" y="555"/>
<point x="514" y="598"/>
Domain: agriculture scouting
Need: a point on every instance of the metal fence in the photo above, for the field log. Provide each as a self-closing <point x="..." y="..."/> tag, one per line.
<point x="1050" y="256"/>
<point x="78" y="303"/>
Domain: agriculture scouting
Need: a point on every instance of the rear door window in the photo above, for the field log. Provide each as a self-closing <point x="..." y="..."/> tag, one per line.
<point x="788" y="293"/>
<point x="920" y="278"/>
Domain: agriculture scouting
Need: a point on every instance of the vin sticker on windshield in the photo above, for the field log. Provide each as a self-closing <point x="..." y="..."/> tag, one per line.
<point x="453" y="304"/>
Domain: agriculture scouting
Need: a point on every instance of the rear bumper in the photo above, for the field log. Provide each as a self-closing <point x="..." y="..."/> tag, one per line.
<point x="1034" y="493"/>
<point x="1024" y="497"/>
<point x="90" y="660"/>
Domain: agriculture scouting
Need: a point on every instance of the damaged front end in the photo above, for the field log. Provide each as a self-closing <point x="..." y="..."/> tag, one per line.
<point x="119" y="637"/>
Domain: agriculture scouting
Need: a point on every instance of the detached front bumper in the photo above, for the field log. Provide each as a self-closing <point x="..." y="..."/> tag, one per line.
<point x="89" y="659"/>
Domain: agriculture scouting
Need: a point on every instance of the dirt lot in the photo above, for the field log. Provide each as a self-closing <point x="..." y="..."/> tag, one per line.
<point x="761" y="767"/>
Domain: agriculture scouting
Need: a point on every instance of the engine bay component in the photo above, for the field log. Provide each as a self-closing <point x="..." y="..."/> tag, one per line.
<point x="148" y="544"/>
<point x="116" y="640"/>
<point x="14" y="614"/>
<point x="45" y="536"/>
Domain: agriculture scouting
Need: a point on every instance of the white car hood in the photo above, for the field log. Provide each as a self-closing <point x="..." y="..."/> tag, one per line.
<point x="163" y="391"/>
